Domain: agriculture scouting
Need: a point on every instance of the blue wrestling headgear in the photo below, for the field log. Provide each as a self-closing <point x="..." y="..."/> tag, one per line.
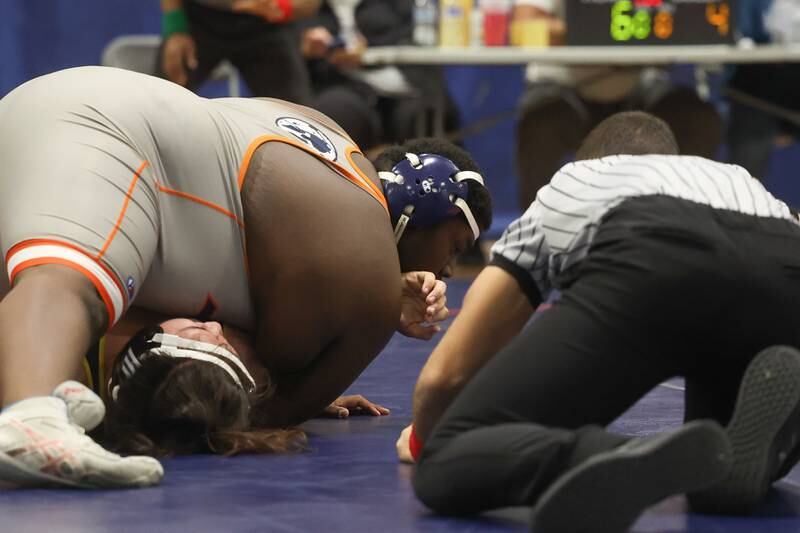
<point x="426" y="189"/>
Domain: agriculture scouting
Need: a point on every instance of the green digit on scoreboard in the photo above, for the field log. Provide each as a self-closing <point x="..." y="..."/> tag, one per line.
<point x="624" y="26"/>
<point x="641" y="25"/>
<point x="621" y="21"/>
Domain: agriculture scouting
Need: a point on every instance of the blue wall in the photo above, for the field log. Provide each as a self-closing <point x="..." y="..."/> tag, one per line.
<point x="482" y="93"/>
<point x="40" y="36"/>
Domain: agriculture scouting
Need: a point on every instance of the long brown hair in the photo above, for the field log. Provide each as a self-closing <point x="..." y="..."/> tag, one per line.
<point x="171" y="406"/>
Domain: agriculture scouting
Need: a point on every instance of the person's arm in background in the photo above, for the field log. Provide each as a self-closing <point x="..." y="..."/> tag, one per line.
<point x="277" y="11"/>
<point x="304" y="8"/>
<point x="322" y="45"/>
<point x="379" y="23"/>
<point x="384" y="23"/>
<point x="317" y="33"/>
<point x="179" y="53"/>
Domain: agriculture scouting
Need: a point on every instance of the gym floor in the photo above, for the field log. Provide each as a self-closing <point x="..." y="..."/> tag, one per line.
<point x="350" y="481"/>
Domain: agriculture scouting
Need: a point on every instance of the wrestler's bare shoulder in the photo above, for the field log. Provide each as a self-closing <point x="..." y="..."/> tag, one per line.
<point x="325" y="239"/>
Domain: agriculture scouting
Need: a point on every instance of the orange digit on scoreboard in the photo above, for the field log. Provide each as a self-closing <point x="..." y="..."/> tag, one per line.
<point x="662" y="25"/>
<point x="719" y="15"/>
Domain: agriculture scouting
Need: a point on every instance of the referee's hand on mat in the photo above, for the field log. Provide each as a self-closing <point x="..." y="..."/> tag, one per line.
<point x="402" y="446"/>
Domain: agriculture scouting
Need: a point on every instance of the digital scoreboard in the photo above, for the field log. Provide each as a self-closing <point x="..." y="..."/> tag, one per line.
<point x="627" y="22"/>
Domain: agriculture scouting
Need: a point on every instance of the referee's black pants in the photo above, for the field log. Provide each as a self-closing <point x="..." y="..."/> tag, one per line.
<point x="668" y="288"/>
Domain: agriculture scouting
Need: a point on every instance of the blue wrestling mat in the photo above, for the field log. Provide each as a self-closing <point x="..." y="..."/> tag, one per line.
<point x="350" y="481"/>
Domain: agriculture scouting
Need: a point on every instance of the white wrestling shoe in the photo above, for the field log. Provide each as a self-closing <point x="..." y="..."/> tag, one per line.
<point x="84" y="407"/>
<point x="40" y="447"/>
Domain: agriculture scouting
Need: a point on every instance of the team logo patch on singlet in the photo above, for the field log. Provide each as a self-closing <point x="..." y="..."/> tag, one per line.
<point x="309" y="135"/>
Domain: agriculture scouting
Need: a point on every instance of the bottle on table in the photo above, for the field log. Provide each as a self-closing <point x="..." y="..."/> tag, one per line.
<point x="476" y="26"/>
<point x="426" y="17"/>
<point x="455" y="18"/>
<point x="496" y="16"/>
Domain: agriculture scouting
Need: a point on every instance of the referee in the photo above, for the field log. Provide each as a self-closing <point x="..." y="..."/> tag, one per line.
<point x="668" y="266"/>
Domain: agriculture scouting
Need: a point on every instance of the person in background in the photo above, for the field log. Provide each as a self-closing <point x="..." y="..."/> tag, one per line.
<point x="257" y="36"/>
<point x="562" y="104"/>
<point x="752" y="130"/>
<point x="375" y="106"/>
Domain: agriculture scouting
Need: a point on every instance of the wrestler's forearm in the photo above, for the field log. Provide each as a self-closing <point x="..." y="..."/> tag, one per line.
<point x="301" y="395"/>
<point x="287" y="407"/>
<point x="494" y="311"/>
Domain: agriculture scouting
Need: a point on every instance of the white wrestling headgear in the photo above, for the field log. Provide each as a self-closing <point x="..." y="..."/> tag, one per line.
<point x="173" y="346"/>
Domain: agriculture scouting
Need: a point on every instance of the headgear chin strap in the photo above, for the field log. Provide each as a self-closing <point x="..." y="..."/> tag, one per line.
<point x="424" y="190"/>
<point x="173" y="346"/>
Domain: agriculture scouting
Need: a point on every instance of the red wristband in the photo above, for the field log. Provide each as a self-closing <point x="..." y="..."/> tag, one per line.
<point x="286" y="9"/>
<point x="414" y="444"/>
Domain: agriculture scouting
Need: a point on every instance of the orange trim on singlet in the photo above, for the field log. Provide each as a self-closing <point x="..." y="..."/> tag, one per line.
<point x="74" y="266"/>
<point x="201" y="201"/>
<point x="37" y="242"/>
<point x="122" y="211"/>
<point x="348" y="152"/>
<point x="369" y="187"/>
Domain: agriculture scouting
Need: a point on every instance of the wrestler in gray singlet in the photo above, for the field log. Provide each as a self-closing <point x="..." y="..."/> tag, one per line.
<point x="136" y="181"/>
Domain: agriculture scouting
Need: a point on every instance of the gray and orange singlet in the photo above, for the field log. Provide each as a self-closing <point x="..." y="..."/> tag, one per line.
<point x="136" y="182"/>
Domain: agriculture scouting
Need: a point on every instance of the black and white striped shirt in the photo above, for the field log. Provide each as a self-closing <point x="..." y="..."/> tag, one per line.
<point x="557" y="229"/>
